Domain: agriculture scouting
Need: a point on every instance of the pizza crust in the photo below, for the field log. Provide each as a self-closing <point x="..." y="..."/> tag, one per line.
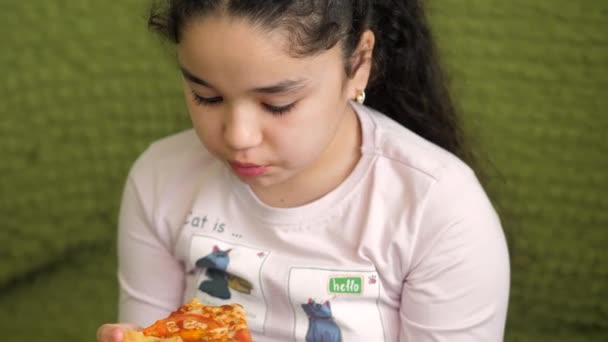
<point x="138" y="336"/>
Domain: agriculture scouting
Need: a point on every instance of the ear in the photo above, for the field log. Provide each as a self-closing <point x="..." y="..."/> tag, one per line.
<point x="361" y="64"/>
<point x="310" y="301"/>
<point x="228" y="251"/>
<point x="326" y="303"/>
<point x="215" y="249"/>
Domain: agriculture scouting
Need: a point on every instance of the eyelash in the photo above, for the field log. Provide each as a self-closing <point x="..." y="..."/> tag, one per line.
<point x="208" y="101"/>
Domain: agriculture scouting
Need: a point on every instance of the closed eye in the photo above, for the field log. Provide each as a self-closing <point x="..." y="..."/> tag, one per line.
<point x="279" y="110"/>
<point x="206" y="100"/>
<point x="275" y="110"/>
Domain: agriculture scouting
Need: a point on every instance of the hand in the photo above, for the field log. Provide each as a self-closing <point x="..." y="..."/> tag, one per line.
<point x="113" y="332"/>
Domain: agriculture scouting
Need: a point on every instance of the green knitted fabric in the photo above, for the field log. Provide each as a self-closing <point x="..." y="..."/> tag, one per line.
<point x="530" y="77"/>
<point x="85" y="88"/>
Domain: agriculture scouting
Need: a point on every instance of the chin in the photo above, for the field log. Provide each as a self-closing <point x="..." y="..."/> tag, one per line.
<point x="265" y="181"/>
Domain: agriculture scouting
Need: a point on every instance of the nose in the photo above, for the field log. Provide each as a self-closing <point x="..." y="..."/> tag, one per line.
<point x="241" y="129"/>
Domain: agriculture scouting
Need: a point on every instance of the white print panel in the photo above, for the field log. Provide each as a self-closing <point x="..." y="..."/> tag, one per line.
<point x="335" y="305"/>
<point x="230" y="273"/>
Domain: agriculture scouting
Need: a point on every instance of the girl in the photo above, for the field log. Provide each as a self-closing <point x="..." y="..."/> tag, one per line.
<point x="324" y="186"/>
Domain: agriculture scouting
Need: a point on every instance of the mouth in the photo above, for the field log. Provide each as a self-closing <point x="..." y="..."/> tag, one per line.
<point x="247" y="169"/>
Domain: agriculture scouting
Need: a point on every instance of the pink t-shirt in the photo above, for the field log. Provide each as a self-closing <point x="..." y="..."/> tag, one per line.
<point x="407" y="248"/>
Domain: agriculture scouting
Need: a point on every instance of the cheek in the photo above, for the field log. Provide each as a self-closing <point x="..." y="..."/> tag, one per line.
<point x="207" y="127"/>
<point x="302" y="138"/>
<point x="297" y="148"/>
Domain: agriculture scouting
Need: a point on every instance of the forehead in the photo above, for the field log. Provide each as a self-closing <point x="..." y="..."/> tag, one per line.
<point x="231" y="50"/>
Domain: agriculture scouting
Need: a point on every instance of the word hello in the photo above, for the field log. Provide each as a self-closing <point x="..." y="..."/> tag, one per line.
<point x="346" y="285"/>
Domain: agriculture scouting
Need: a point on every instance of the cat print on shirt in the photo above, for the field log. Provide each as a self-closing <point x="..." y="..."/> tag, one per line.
<point x="220" y="281"/>
<point x="216" y="264"/>
<point x="321" y="324"/>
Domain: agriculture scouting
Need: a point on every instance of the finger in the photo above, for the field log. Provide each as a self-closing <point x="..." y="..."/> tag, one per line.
<point x="117" y="335"/>
<point x="101" y="331"/>
<point x="113" y="332"/>
<point x="106" y="332"/>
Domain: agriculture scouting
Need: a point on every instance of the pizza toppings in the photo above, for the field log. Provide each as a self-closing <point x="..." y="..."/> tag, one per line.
<point x="181" y="324"/>
<point x="195" y="322"/>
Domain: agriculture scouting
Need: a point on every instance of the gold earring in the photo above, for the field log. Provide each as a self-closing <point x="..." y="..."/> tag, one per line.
<point x="360" y="97"/>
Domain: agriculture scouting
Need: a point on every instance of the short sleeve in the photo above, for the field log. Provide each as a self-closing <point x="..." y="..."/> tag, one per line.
<point x="457" y="287"/>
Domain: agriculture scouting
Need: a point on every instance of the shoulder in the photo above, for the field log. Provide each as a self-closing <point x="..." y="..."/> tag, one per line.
<point x="408" y="155"/>
<point x="164" y="179"/>
<point x="444" y="203"/>
<point x="177" y="147"/>
<point x="437" y="187"/>
<point x="170" y="156"/>
<point x="438" y="177"/>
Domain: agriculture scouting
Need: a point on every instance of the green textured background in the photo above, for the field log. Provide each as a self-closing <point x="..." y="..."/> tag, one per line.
<point x="85" y="88"/>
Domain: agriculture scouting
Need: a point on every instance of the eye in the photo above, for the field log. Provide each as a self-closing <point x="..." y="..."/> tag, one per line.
<point x="279" y="110"/>
<point x="200" y="100"/>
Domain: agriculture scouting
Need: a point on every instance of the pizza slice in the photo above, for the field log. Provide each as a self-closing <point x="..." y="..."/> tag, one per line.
<point x="195" y="322"/>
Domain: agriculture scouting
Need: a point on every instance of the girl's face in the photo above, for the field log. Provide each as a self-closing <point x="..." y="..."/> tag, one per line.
<point x="276" y="120"/>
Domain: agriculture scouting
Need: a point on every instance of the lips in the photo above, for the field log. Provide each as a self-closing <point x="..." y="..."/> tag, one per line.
<point x="247" y="169"/>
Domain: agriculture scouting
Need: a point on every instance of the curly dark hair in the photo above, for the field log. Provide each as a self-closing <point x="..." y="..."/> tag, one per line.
<point x="407" y="82"/>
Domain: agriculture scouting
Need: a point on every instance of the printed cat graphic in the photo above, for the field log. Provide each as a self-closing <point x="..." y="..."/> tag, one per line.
<point x="321" y="325"/>
<point x="219" y="280"/>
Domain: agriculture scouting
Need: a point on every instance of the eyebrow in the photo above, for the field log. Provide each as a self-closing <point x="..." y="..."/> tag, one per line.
<point x="190" y="77"/>
<point x="281" y="87"/>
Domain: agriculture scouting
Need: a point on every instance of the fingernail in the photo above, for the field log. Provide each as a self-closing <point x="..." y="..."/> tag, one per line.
<point x="117" y="335"/>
